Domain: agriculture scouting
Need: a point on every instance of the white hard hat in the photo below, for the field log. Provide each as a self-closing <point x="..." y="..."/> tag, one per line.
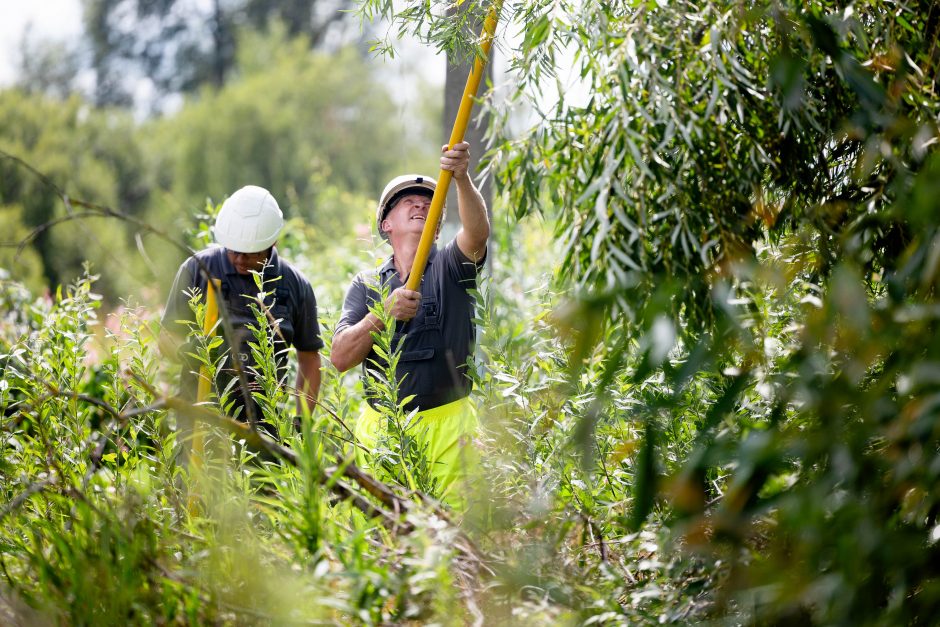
<point x="398" y="187"/>
<point x="249" y="221"/>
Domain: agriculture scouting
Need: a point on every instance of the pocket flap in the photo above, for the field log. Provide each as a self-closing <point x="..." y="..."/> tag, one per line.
<point x="418" y="355"/>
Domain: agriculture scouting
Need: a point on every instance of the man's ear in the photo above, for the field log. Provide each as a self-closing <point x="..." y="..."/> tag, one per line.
<point x="440" y="223"/>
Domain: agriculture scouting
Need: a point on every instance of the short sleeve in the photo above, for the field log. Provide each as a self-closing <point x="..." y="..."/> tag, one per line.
<point x="177" y="304"/>
<point x="355" y="305"/>
<point x="461" y="268"/>
<point x="306" y="326"/>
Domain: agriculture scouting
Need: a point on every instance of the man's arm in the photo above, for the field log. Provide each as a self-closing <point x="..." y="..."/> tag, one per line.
<point x="353" y="343"/>
<point x="173" y="334"/>
<point x="474" y="223"/>
<point x="308" y="379"/>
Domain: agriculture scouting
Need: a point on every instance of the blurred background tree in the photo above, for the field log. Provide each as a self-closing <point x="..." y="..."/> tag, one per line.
<point x="180" y="46"/>
<point x="91" y="154"/>
<point x="323" y="129"/>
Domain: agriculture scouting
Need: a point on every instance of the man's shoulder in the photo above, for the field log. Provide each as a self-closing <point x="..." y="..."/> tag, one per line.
<point x="370" y="279"/>
<point x="453" y="257"/>
<point x="209" y="257"/>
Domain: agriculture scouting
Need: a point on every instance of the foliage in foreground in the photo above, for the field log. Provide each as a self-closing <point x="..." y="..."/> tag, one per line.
<point x="748" y="202"/>
<point x="746" y="197"/>
<point x="102" y="524"/>
<point x="742" y="428"/>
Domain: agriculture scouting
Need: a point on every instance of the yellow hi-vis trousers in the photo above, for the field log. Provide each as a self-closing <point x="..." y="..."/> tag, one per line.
<point x="447" y="432"/>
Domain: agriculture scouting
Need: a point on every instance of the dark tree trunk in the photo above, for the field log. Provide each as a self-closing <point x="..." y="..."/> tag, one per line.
<point x="218" y="38"/>
<point x="454" y="83"/>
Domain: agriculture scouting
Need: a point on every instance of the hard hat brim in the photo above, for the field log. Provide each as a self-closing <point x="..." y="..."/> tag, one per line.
<point x="245" y="246"/>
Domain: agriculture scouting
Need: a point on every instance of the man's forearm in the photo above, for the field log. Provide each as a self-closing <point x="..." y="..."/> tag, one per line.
<point x="474" y="221"/>
<point x="352" y="344"/>
<point x="308" y="380"/>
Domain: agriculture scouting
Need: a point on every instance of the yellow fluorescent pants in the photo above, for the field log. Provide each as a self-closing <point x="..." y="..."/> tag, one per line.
<point x="447" y="432"/>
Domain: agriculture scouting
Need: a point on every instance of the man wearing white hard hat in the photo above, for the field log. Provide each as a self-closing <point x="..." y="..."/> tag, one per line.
<point x="434" y="323"/>
<point x="246" y="229"/>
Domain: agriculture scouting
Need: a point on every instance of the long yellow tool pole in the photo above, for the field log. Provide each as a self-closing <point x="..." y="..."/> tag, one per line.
<point x="205" y="385"/>
<point x="456" y="136"/>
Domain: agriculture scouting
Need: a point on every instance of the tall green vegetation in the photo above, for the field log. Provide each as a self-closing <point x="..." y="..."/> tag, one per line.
<point x="711" y="399"/>
<point x="746" y="202"/>
<point x="101" y="524"/>
<point x="759" y="184"/>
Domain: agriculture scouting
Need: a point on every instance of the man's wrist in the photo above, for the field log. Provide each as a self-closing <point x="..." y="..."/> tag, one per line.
<point x="375" y="321"/>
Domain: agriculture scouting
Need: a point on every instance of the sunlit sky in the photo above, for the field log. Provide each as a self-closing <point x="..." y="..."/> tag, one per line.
<point x="62" y="20"/>
<point x="56" y="19"/>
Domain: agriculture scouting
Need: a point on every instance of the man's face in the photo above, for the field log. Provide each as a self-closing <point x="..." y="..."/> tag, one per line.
<point x="246" y="262"/>
<point x="408" y="215"/>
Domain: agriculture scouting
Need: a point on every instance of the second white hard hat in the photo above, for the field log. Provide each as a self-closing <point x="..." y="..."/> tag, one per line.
<point x="249" y="221"/>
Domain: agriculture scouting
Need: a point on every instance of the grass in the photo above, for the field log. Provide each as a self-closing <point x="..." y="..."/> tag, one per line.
<point x="632" y="473"/>
<point x="102" y="524"/>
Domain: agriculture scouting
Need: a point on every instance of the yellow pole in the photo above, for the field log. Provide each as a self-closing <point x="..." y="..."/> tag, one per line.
<point x="456" y="136"/>
<point x="205" y="384"/>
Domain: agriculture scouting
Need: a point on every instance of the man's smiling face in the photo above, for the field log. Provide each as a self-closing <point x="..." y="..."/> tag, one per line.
<point x="245" y="263"/>
<point x="408" y="215"/>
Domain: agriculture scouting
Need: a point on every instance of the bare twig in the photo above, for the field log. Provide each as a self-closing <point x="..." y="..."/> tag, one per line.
<point x="95" y="210"/>
<point x="596" y="533"/>
<point x="399" y="506"/>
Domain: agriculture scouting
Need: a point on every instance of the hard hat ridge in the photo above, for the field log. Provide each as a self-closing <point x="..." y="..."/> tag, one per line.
<point x="249" y="220"/>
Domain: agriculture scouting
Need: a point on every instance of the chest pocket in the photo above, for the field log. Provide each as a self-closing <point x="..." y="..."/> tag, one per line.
<point x="422" y="333"/>
<point x="428" y="316"/>
<point x="240" y="309"/>
<point x="281" y="311"/>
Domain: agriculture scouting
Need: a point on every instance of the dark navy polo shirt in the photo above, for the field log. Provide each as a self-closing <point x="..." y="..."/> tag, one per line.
<point x="438" y="341"/>
<point x="292" y="303"/>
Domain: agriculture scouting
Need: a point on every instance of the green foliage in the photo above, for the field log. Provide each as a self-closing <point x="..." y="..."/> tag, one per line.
<point x="720" y="406"/>
<point x="86" y="154"/>
<point x="747" y="179"/>
<point x="100" y="522"/>
<point x="709" y="127"/>
<point x="744" y="196"/>
<point x="271" y="393"/>
<point x="399" y="451"/>
<point x="308" y="115"/>
<point x="293" y="121"/>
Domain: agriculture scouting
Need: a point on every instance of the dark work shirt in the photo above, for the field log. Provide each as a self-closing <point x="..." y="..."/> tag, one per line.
<point x="292" y="304"/>
<point x="438" y="340"/>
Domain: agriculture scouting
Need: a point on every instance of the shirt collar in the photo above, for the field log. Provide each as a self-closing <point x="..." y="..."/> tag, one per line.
<point x="389" y="265"/>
